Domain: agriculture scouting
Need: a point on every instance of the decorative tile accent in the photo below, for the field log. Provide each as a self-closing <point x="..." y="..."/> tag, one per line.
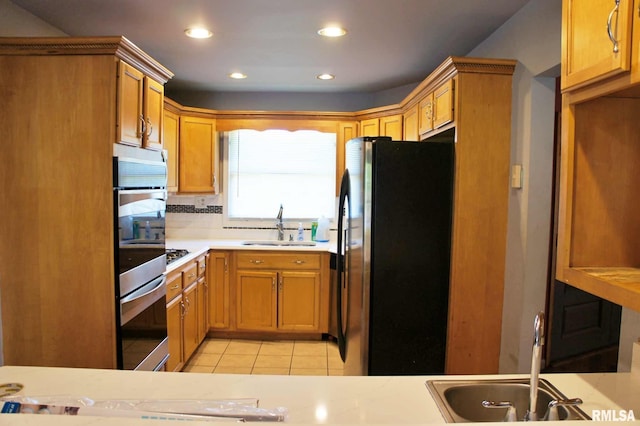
<point x="179" y="208"/>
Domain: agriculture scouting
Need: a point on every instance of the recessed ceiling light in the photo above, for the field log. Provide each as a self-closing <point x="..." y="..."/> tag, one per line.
<point x="332" y="31"/>
<point x="326" y="77"/>
<point x="237" y="75"/>
<point x="198" y="32"/>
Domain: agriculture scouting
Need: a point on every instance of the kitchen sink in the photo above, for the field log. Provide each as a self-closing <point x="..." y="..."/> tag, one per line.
<point x="460" y="401"/>
<point x="278" y="243"/>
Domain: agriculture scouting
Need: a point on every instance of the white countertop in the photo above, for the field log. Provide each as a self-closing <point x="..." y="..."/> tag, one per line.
<point x="198" y="247"/>
<point x="307" y="399"/>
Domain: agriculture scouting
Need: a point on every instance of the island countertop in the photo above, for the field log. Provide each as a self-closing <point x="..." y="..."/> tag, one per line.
<point x="307" y="399"/>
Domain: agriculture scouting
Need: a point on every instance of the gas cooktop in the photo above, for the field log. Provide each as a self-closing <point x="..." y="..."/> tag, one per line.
<point x="175" y="254"/>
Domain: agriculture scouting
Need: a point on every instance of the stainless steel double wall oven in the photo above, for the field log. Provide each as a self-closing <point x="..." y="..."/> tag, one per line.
<point x="140" y="204"/>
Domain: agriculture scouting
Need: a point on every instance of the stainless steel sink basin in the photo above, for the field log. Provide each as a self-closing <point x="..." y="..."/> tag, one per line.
<point x="278" y="243"/>
<point x="460" y="401"/>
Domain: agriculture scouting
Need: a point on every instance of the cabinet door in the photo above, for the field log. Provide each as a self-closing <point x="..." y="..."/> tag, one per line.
<point x="175" y="311"/>
<point x="129" y="105"/>
<point x="218" y="276"/>
<point x="201" y="297"/>
<point x="347" y="130"/>
<point x="370" y="127"/>
<point x="391" y="126"/>
<point x="170" y="130"/>
<point x="198" y="154"/>
<point x="425" y="118"/>
<point x="256" y="300"/>
<point x="190" y="320"/>
<point x="410" y="125"/>
<point x="299" y="301"/>
<point x="443" y="104"/>
<point x="153" y="106"/>
<point x="596" y="40"/>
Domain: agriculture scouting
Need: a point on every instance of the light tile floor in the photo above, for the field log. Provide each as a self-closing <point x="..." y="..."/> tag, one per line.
<point x="308" y="358"/>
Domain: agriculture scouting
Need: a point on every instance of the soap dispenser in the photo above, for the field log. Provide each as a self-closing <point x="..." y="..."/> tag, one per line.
<point x="300" y="232"/>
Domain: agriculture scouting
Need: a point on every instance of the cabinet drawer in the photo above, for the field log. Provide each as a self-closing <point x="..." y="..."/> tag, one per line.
<point x="262" y="260"/>
<point x="202" y="266"/>
<point x="189" y="274"/>
<point x="174" y="285"/>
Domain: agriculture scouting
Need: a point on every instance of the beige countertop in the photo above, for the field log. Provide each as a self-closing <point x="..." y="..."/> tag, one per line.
<point x="307" y="399"/>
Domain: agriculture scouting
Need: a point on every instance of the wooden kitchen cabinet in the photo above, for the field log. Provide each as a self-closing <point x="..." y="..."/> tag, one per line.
<point x="202" y="297"/>
<point x="140" y="108"/>
<point x="425" y="117"/>
<point x="171" y="136"/>
<point x="443" y="104"/>
<point x="186" y="311"/>
<point x="599" y="230"/>
<point x="256" y="294"/>
<point x="391" y="126"/>
<point x="198" y="155"/>
<point x="175" y="312"/>
<point x="219" y="288"/>
<point x="436" y="108"/>
<point x="299" y="300"/>
<point x="596" y="40"/>
<point x="370" y="127"/>
<point x="59" y="100"/>
<point x="282" y="292"/>
<point x="190" y="320"/>
<point x="410" y="127"/>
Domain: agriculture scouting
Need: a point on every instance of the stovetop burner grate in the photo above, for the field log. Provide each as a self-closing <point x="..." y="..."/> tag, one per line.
<point x="175" y="254"/>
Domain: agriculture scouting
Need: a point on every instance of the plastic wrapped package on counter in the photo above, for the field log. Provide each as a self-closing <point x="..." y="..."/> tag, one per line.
<point x="242" y="410"/>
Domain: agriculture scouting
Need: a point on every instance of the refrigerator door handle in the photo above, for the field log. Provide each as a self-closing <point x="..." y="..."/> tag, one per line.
<point x="340" y="263"/>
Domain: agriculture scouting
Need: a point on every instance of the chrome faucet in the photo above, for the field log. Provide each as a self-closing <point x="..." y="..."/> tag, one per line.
<point x="280" y="225"/>
<point x="536" y="360"/>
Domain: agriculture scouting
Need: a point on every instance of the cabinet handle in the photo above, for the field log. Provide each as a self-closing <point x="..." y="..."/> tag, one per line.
<point x="298" y="262"/>
<point x="175" y="287"/>
<point x="142" y="125"/>
<point x="183" y="309"/>
<point x="255" y="262"/>
<point x="150" y="128"/>
<point x="226" y="265"/>
<point x="612" y="36"/>
<point x="191" y="276"/>
<point x="281" y="284"/>
<point x="273" y="283"/>
<point x="188" y="304"/>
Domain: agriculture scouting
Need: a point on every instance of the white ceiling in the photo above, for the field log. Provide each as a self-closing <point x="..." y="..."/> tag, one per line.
<point x="389" y="43"/>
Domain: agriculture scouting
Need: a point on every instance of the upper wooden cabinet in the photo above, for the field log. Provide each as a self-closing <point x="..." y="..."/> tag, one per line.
<point x="410" y="125"/>
<point x="391" y="126"/>
<point x="140" y="108"/>
<point x="596" y="40"/>
<point x="198" y="155"/>
<point x="171" y="136"/>
<point x="436" y="108"/>
<point x="370" y="127"/>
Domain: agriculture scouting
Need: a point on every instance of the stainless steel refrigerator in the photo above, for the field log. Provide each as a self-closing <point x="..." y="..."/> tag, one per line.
<point x="394" y="243"/>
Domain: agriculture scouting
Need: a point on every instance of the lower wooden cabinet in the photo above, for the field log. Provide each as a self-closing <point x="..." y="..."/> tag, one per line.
<point x="187" y="319"/>
<point x="219" y="290"/>
<point x="256" y="300"/>
<point x="175" y="310"/>
<point x="299" y="300"/>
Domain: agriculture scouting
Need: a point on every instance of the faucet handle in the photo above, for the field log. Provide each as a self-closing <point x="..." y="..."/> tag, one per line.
<point x="552" y="411"/>
<point x="511" y="416"/>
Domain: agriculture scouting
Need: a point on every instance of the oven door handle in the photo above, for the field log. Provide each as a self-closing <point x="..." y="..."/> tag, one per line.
<point x="142" y="298"/>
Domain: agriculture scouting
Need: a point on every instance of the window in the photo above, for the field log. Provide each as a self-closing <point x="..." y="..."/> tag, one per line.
<point x="268" y="168"/>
